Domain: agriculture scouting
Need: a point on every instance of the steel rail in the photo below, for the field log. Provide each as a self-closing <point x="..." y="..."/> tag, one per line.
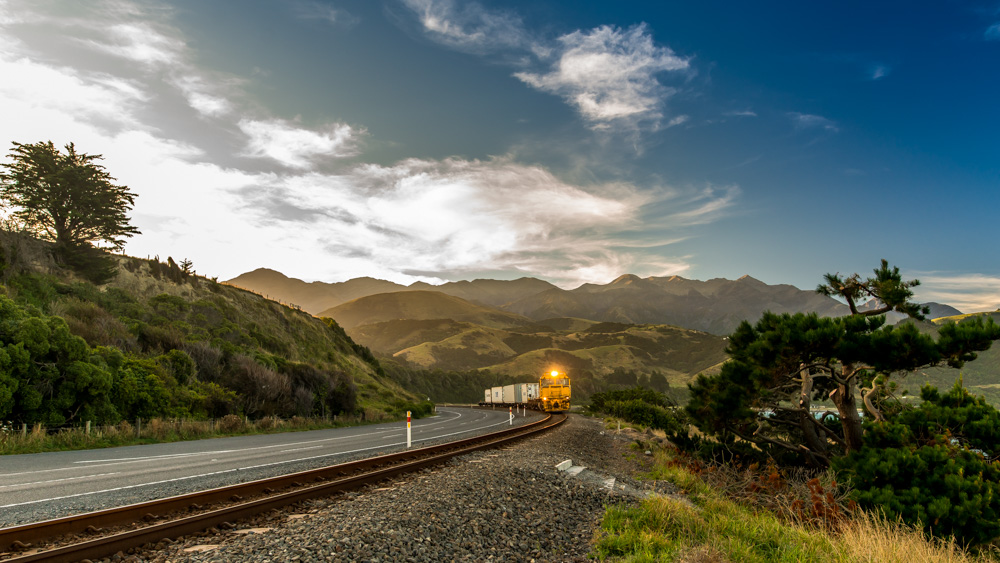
<point x="331" y="479"/>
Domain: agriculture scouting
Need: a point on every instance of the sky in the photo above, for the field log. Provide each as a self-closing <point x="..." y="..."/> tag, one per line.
<point x="568" y="140"/>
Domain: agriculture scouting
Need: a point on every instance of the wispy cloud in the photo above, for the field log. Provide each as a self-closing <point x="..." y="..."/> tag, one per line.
<point x="610" y="75"/>
<point x="878" y="71"/>
<point x="992" y="32"/>
<point x="706" y="206"/>
<point x="810" y="121"/>
<point x="461" y="215"/>
<point x="969" y="293"/>
<point x="297" y="147"/>
<point x="742" y="113"/>
<point x="320" y="11"/>
<point x="300" y="205"/>
<point x="470" y="27"/>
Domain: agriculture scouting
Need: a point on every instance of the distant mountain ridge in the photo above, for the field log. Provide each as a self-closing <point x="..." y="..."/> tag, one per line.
<point x="316" y="297"/>
<point x="716" y="306"/>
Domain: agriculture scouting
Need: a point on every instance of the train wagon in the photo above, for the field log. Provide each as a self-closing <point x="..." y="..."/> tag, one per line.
<point x="508" y="395"/>
<point x="550" y="394"/>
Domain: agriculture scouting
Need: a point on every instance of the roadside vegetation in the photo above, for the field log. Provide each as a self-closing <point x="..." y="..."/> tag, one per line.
<point x="764" y="476"/>
<point x="93" y="338"/>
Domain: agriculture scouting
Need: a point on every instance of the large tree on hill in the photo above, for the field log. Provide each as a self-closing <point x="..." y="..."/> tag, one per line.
<point x="66" y="197"/>
<point x="784" y="363"/>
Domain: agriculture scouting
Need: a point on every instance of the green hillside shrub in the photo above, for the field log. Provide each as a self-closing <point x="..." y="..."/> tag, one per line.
<point x="933" y="466"/>
<point x="638" y="405"/>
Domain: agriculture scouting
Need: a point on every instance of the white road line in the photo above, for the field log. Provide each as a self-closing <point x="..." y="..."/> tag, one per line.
<point x="89" y="493"/>
<point x="300" y="449"/>
<point x="56" y="480"/>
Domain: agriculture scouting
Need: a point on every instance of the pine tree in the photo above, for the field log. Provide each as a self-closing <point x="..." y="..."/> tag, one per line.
<point x="69" y="199"/>
<point x="782" y="364"/>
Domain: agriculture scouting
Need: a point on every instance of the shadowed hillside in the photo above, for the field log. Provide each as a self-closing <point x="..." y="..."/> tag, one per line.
<point x="980" y="376"/>
<point x="316" y="297"/>
<point x="164" y="342"/>
<point x="419" y="305"/>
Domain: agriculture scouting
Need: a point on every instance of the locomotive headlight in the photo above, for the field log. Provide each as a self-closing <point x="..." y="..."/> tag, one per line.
<point x="555" y="373"/>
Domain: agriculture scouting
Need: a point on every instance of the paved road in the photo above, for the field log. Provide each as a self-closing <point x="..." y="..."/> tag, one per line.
<point x="35" y="487"/>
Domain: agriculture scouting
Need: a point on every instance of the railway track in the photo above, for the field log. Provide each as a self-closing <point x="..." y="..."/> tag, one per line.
<point x="120" y="529"/>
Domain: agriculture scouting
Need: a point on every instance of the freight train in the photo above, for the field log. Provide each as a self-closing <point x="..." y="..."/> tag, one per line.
<point x="550" y="394"/>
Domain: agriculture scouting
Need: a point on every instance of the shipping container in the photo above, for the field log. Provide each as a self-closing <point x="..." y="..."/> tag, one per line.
<point x="497" y="395"/>
<point x="508" y="394"/>
<point x="519" y="392"/>
<point x="532" y="392"/>
<point x="489" y="397"/>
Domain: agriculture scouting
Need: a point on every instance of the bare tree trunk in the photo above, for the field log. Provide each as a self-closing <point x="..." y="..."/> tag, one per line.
<point x="814" y="441"/>
<point x="847" y="408"/>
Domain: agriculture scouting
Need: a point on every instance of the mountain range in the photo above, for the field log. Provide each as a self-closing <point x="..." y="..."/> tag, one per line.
<point x="715" y="306"/>
<point x="666" y="329"/>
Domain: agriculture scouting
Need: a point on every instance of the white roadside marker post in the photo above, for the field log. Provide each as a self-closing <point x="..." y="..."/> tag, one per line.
<point x="408" y="441"/>
<point x="510" y="411"/>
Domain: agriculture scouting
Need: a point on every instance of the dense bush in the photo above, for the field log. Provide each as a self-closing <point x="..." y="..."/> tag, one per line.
<point x="933" y="466"/>
<point x="638" y="405"/>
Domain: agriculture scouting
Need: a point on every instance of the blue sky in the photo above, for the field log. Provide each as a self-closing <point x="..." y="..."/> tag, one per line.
<point x="567" y="140"/>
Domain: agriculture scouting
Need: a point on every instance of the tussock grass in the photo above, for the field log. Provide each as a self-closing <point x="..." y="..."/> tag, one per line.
<point x="707" y="523"/>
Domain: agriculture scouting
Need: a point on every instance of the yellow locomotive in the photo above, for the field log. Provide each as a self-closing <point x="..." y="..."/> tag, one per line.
<point x="553" y="392"/>
<point x="550" y="394"/>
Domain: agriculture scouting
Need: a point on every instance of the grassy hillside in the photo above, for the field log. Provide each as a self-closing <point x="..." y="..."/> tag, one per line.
<point x="158" y="342"/>
<point x="980" y="376"/>
<point x="595" y="354"/>
<point x="419" y="305"/>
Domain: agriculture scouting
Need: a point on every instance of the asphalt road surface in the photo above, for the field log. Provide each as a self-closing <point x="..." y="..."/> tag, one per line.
<point x="36" y="487"/>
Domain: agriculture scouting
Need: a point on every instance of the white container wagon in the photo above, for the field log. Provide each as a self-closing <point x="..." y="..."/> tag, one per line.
<point x="525" y="392"/>
<point x="508" y="395"/>
<point x="496" y="395"/>
<point x="488" y="400"/>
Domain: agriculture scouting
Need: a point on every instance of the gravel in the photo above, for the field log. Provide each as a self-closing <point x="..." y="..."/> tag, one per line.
<point x="510" y="504"/>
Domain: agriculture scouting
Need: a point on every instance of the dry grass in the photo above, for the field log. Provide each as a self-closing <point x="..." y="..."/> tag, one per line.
<point x="758" y="514"/>
<point x="869" y="537"/>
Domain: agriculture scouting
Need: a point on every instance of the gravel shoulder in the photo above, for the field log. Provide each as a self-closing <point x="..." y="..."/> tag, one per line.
<point x="509" y="504"/>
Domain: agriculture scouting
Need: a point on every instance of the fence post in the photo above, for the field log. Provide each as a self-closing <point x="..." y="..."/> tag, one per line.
<point x="88" y="428"/>
<point x="24" y="429"/>
<point x="138" y="427"/>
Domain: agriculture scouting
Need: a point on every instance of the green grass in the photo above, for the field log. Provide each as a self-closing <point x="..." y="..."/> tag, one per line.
<point x="36" y="440"/>
<point x="668" y="529"/>
<point x="702" y="524"/>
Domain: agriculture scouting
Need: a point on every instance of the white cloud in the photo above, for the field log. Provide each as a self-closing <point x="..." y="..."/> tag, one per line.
<point x="296" y="147"/>
<point x="878" y="71"/>
<point x="993" y="32"/>
<point x="139" y="42"/>
<point x="809" y="121"/>
<point x="417" y="219"/>
<point x="610" y="75"/>
<point x="969" y="293"/>
<point x="468" y="26"/>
